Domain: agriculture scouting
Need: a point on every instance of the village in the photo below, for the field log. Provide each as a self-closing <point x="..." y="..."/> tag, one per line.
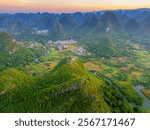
<point x="62" y="45"/>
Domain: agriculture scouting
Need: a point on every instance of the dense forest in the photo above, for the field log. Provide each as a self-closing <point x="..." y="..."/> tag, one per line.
<point x="76" y="90"/>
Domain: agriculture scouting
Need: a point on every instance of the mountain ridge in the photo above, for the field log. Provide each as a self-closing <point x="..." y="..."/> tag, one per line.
<point x="76" y="90"/>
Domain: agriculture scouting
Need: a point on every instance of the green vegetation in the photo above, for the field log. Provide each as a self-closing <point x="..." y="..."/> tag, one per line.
<point x="103" y="48"/>
<point x="145" y="79"/>
<point x="122" y="76"/>
<point x="131" y="95"/>
<point x="13" y="54"/>
<point x="60" y="90"/>
<point x="50" y="56"/>
<point x="109" y="57"/>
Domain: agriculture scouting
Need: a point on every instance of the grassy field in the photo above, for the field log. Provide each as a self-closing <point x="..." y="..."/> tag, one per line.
<point x="92" y="66"/>
<point x="41" y="68"/>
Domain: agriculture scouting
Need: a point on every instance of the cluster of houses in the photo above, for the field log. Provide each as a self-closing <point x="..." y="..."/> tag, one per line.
<point x="65" y="42"/>
<point x="62" y="42"/>
<point x="32" y="45"/>
<point x="79" y="51"/>
<point x="63" y="45"/>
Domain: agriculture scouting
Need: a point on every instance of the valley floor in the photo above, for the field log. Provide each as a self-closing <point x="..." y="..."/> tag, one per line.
<point x="128" y="72"/>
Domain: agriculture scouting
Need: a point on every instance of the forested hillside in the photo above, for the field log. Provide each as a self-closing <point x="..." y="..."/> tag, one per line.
<point x="61" y="90"/>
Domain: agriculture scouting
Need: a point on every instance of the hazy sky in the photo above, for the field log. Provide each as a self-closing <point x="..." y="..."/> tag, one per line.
<point x="69" y="5"/>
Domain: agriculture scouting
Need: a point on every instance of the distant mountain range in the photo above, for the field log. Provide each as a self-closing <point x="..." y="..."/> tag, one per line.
<point x="76" y="25"/>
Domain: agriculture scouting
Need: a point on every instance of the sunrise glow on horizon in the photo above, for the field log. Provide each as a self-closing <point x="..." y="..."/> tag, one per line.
<point x="55" y="6"/>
